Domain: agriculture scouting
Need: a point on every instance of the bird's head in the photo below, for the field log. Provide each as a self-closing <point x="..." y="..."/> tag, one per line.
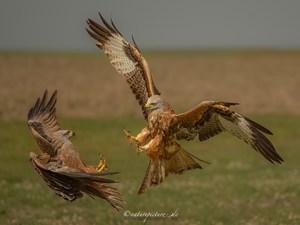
<point x="68" y="133"/>
<point x="155" y="102"/>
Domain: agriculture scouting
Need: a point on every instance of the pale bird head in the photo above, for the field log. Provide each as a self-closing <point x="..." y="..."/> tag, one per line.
<point x="155" y="102"/>
<point x="68" y="133"/>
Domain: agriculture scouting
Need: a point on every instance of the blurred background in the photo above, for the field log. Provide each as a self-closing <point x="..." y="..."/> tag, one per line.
<point x="219" y="49"/>
<point x="237" y="51"/>
<point x="214" y="24"/>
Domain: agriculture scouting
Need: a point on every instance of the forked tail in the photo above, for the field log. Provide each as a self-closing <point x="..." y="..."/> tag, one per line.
<point x="160" y="168"/>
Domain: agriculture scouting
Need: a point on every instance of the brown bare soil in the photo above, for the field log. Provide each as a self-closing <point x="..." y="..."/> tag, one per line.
<point x="88" y="86"/>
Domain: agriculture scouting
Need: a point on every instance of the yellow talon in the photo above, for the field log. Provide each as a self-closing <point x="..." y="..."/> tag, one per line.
<point x="102" y="166"/>
<point x="129" y="136"/>
<point x="132" y="138"/>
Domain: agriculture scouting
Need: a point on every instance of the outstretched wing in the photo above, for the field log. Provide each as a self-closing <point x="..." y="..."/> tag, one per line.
<point x="210" y="118"/>
<point x="43" y="124"/>
<point x="63" y="186"/>
<point x="126" y="58"/>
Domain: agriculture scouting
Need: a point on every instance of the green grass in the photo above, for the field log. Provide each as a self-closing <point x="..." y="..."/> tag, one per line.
<point x="239" y="187"/>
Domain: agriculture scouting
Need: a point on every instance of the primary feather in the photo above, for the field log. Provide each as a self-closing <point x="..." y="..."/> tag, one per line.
<point x="165" y="127"/>
<point x="60" y="165"/>
<point x="126" y="58"/>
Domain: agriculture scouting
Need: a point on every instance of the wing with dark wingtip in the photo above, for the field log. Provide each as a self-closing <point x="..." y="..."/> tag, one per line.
<point x="69" y="183"/>
<point x="211" y="118"/>
<point x="126" y="58"/>
<point x="42" y="122"/>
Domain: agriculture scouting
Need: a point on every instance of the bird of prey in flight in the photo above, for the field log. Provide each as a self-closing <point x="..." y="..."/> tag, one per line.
<point x="59" y="164"/>
<point x="164" y="127"/>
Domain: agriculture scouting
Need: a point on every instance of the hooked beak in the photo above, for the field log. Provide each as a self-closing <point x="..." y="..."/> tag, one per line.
<point x="148" y="106"/>
<point x="71" y="133"/>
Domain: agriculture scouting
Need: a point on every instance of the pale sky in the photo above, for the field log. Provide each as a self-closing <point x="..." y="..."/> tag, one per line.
<point x="156" y="24"/>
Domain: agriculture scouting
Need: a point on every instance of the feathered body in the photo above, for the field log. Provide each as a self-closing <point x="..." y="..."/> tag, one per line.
<point x="165" y="127"/>
<point x="60" y="164"/>
<point x="159" y="141"/>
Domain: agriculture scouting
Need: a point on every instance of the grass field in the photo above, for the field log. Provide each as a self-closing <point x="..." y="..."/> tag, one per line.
<point x="238" y="187"/>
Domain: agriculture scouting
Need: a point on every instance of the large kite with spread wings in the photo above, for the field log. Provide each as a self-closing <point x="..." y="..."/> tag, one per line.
<point x="165" y="127"/>
<point x="60" y="165"/>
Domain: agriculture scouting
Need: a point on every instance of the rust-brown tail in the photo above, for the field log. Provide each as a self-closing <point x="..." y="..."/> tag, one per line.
<point x="110" y="194"/>
<point x="159" y="169"/>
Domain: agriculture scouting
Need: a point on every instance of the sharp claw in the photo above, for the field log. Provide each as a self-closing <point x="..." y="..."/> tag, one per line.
<point x="102" y="166"/>
<point x="139" y="148"/>
<point x="129" y="136"/>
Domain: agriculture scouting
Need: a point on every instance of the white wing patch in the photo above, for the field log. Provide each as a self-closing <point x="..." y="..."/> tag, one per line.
<point x="241" y="130"/>
<point x="114" y="49"/>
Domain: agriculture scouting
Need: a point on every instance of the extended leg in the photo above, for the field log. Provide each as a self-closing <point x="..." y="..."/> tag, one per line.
<point x="153" y="148"/>
<point x="140" y="139"/>
<point x="129" y="136"/>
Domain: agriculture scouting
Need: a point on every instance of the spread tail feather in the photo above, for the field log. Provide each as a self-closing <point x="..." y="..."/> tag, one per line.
<point x="160" y="168"/>
<point x="110" y="194"/>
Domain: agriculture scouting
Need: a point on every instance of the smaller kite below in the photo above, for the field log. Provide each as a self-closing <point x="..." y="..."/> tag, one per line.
<point x="60" y="165"/>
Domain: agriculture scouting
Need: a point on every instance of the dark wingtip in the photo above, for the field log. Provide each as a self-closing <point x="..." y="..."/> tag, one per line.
<point x="109" y="173"/>
<point x="112" y="23"/>
<point x="107" y="24"/>
<point x="41" y="105"/>
<point x="90" y="32"/>
<point x="32" y="110"/>
<point x="228" y="104"/>
<point x="88" y="21"/>
<point x="278" y="160"/>
<point x="55" y="92"/>
<point x="265" y="147"/>
<point x="100" y="16"/>
<point x="259" y="127"/>
<point x="135" y="43"/>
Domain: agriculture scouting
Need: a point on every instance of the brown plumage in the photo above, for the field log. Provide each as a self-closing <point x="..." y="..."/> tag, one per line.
<point x="126" y="58"/>
<point x="60" y="165"/>
<point x="164" y="126"/>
